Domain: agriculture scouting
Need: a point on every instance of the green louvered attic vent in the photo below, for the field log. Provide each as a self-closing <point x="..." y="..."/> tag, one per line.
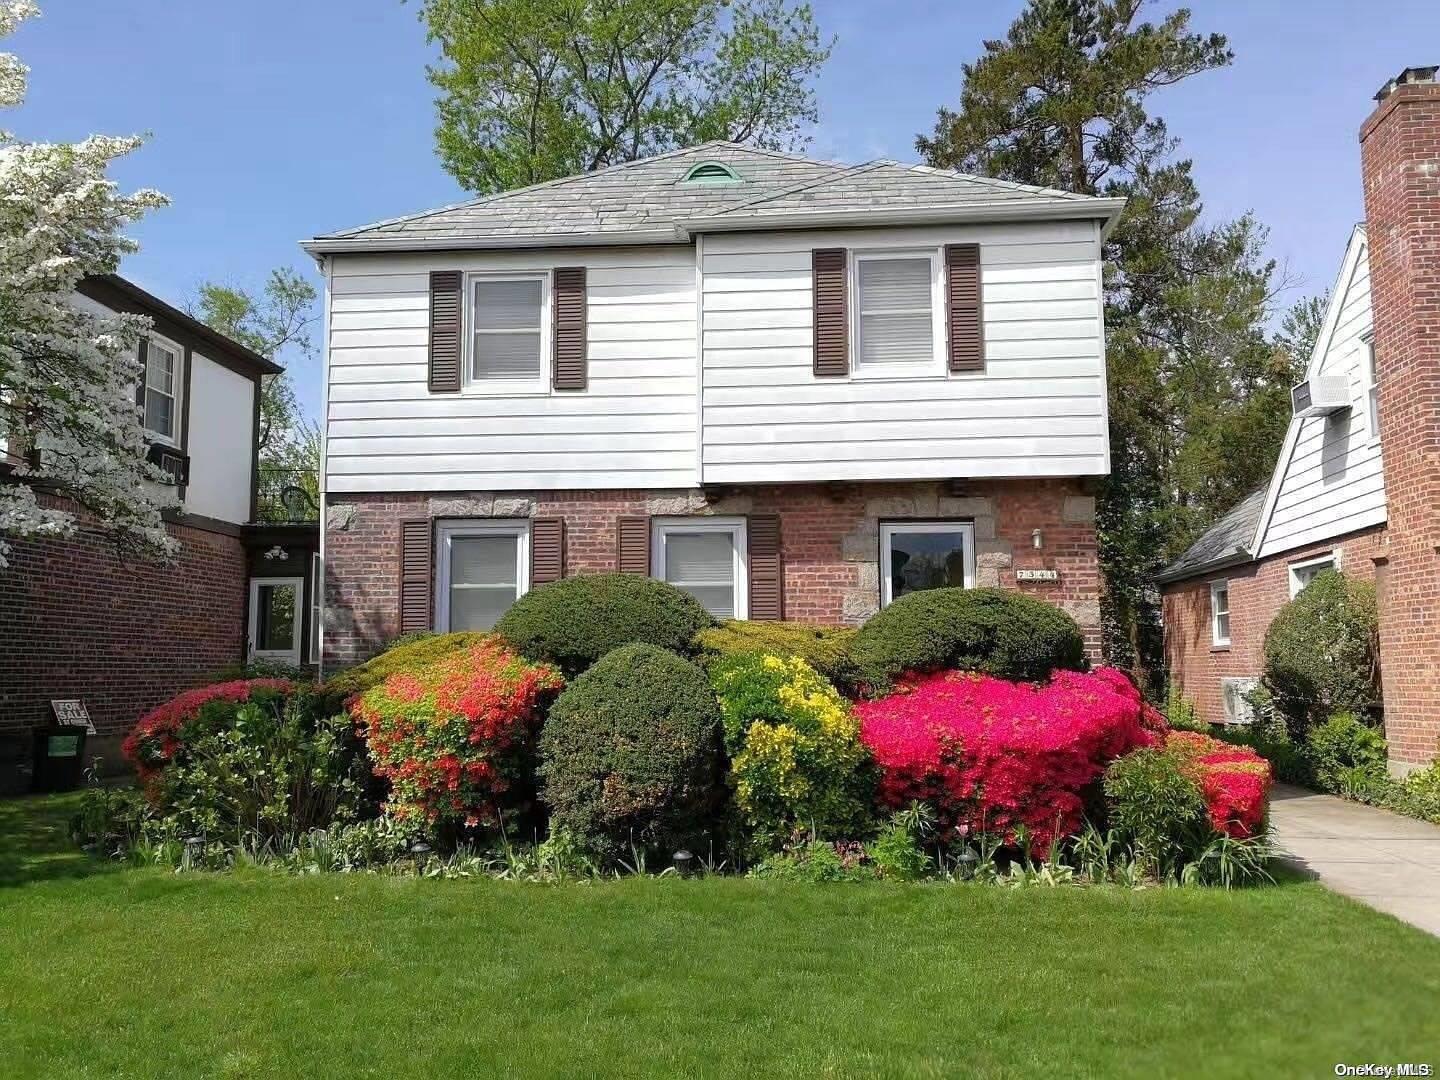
<point x="711" y="172"/>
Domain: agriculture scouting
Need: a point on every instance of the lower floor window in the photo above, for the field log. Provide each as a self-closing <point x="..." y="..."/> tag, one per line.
<point x="1302" y="573"/>
<point x="919" y="555"/>
<point x="482" y="567"/>
<point x="706" y="558"/>
<point x="275" y="607"/>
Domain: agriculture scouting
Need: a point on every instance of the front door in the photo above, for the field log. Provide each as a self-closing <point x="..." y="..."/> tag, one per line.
<point x="275" y="609"/>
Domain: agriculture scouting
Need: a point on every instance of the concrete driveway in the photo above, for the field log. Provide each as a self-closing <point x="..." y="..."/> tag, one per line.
<point x="1382" y="859"/>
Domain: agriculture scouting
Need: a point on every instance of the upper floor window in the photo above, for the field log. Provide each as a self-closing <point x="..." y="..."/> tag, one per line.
<point x="163" y="377"/>
<point x="706" y="558"/>
<point x="919" y="555"/>
<point x="1371" y="387"/>
<point x="482" y="567"/>
<point x="1302" y="573"/>
<point x="1220" y="613"/>
<point x="896" y="312"/>
<point x="507" y="339"/>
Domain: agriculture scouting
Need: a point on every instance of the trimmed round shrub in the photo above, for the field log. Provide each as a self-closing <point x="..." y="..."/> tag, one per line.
<point x="406" y="653"/>
<point x="796" y="756"/>
<point x="456" y="738"/>
<point x="996" y="631"/>
<point x="998" y="757"/>
<point x="1322" y="654"/>
<point x="824" y="648"/>
<point x="630" y="754"/>
<point x="575" y="621"/>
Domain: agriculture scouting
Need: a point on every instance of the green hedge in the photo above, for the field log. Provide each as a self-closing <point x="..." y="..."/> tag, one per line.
<point x="1321" y="652"/>
<point x="825" y="648"/>
<point x="631" y="756"/>
<point x="997" y="631"/>
<point x="573" y="622"/>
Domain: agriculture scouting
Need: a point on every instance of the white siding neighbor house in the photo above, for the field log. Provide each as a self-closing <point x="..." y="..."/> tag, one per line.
<point x="748" y="372"/>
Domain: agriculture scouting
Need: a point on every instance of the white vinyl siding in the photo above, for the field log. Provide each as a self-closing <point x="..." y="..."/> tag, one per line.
<point x="707" y="559"/>
<point x="1037" y="408"/>
<point x="633" y="426"/>
<point x="1330" y="479"/>
<point x="482" y="567"/>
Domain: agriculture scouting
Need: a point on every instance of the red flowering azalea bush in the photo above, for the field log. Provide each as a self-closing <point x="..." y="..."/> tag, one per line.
<point x="454" y="737"/>
<point x="993" y="756"/>
<point x="155" y="741"/>
<point x="1234" y="781"/>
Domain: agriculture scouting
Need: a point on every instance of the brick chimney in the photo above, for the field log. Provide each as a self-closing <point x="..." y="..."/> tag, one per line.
<point x="1400" y="162"/>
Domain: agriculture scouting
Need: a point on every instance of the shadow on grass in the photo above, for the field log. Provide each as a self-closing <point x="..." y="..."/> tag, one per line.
<point x="35" y="842"/>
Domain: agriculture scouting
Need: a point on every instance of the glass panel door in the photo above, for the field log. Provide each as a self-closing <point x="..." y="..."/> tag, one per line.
<point x="275" y="608"/>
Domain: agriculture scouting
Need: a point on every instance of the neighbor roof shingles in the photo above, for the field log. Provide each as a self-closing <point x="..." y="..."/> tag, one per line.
<point x="1226" y="542"/>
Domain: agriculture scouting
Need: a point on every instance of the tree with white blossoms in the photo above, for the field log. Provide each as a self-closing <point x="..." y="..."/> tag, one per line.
<point x="69" y="423"/>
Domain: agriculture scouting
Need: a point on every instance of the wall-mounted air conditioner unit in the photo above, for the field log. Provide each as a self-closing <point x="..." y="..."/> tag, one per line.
<point x="1320" y="396"/>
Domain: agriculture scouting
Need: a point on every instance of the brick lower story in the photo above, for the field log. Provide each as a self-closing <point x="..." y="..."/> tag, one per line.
<point x="830" y="543"/>
<point x="123" y="635"/>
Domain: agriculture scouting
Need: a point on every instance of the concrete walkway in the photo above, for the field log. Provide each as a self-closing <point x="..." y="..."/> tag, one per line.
<point x="1382" y="859"/>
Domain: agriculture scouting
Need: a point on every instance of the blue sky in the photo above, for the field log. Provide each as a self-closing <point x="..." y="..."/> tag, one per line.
<point x="270" y="121"/>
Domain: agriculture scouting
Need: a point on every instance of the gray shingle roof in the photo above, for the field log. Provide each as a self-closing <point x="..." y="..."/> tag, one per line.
<point x="645" y="200"/>
<point x="1224" y="543"/>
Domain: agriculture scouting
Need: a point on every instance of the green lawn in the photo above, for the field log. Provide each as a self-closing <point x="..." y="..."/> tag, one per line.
<point x="116" y="972"/>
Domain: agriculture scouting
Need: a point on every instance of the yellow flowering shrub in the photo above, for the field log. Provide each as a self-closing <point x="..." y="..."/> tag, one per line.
<point x="797" y="761"/>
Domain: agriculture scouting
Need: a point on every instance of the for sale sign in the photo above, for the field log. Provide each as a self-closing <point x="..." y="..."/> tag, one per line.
<point x="72" y="713"/>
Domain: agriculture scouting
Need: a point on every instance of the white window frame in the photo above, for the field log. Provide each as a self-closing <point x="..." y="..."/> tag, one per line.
<point x="1330" y="557"/>
<point x="290" y="656"/>
<point x="177" y="386"/>
<point x="541" y="383"/>
<point x="889" y="529"/>
<point x="935" y="366"/>
<point x="1370" y="389"/>
<point x="446" y="531"/>
<point x="317" y="596"/>
<point x="661" y="527"/>
<point x="1216" y="587"/>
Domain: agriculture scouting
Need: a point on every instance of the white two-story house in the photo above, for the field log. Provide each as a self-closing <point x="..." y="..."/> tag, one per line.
<point x="798" y="389"/>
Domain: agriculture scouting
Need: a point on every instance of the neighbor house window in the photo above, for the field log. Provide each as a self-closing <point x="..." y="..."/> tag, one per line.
<point x="706" y="558"/>
<point x="507" y="330"/>
<point x="919" y="555"/>
<point x="275" y="610"/>
<point x="1302" y="573"/>
<point x="482" y="567"/>
<point x="1220" y="612"/>
<point x="162" y="389"/>
<point x="896" y="313"/>
<point x="1371" y="387"/>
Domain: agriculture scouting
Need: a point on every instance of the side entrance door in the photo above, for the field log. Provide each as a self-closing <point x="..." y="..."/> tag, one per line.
<point x="276" y="605"/>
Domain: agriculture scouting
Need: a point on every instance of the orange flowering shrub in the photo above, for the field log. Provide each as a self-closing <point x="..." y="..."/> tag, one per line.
<point x="161" y="733"/>
<point x="1234" y="781"/>
<point x="454" y="737"/>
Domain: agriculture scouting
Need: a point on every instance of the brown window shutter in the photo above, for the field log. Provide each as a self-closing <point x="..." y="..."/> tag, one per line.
<point x="570" y="344"/>
<point x="963" y="315"/>
<point x="632" y="545"/>
<point x="445" y="344"/>
<point x="547" y="550"/>
<point x="767" y="567"/>
<point x="415" y="576"/>
<point x="832" y="314"/>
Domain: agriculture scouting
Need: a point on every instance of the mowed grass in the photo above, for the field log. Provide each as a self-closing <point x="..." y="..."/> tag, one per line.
<point x="106" y="971"/>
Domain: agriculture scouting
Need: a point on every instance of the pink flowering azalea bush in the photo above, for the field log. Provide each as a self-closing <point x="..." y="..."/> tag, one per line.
<point x="1234" y="781"/>
<point x="161" y="733"/>
<point x="1002" y="757"/>
<point x="456" y="738"/>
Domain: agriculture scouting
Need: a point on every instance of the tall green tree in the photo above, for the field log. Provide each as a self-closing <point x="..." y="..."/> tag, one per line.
<point x="277" y="321"/>
<point x="1198" y="390"/>
<point x="532" y="90"/>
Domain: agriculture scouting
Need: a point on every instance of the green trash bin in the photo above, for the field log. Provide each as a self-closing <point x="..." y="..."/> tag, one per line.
<point x="59" y="758"/>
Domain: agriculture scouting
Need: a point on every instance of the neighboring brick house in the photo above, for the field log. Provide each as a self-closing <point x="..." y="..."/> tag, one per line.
<point x="1357" y="483"/>
<point x="81" y="620"/>
<point x="795" y="388"/>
